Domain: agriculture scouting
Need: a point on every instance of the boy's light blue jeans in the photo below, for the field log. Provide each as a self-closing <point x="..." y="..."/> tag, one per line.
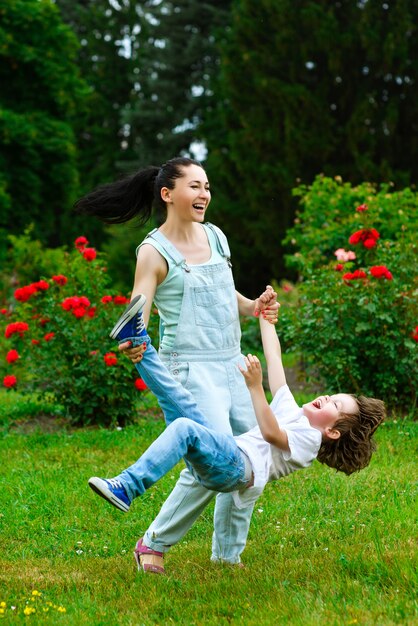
<point x="213" y="458"/>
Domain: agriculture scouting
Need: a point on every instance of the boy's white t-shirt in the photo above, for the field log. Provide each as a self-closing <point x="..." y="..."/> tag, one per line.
<point x="270" y="463"/>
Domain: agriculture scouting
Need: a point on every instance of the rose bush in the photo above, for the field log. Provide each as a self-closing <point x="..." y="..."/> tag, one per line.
<point x="355" y="321"/>
<point x="56" y="340"/>
<point x="329" y="215"/>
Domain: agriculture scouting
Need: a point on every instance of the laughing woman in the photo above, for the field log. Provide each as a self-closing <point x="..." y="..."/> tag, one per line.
<point x="184" y="267"/>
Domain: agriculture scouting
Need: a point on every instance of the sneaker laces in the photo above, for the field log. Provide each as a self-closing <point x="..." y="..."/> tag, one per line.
<point x="140" y="324"/>
<point x="115" y="483"/>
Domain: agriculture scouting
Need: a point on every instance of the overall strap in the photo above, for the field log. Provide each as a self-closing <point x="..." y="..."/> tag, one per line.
<point x="166" y="245"/>
<point x="221" y="242"/>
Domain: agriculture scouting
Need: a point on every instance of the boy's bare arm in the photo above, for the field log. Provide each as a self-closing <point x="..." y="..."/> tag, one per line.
<point x="270" y="429"/>
<point x="273" y="353"/>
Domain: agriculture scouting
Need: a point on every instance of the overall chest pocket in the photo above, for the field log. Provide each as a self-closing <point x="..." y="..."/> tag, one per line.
<point x="215" y="305"/>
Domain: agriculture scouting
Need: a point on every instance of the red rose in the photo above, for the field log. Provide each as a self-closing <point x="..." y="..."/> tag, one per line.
<point x="140" y="385"/>
<point x="4" y="311"/>
<point x="357" y="274"/>
<point x="9" y="381"/>
<point x="368" y="236"/>
<point x="89" y="254"/>
<point x="83" y="301"/>
<point x="339" y="267"/>
<point x="369" y="243"/>
<point x="107" y="299"/>
<point x="75" y="302"/>
<point x="361" y="208"/>
<point x="16" y="327"/>
<point x="60" y="279"/>
<point x="121" y="300"/>
<point x="41" y="285"/>
<point x="12" y="356"/>
<point x="110" y="358"/>
<point x="80" y="243"/>
<point x="67" y="304"/>
<point x="415" y="334"/>
<point x="49" y="336"/>
<point x="355" y="237"/>
<point x="91" y="312"/>
<point x="22" y="294"/>
<point x="381" y="271"/>
<point x="79" y="312"/>
<point x="35" y="342"/>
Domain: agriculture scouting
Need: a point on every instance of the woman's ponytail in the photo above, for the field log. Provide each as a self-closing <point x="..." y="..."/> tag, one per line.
<point x="122" y="200"/>
<point x="135" y="196"/>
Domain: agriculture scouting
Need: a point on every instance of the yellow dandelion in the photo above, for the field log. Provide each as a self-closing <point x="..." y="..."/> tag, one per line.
<point x="3" y="605"/>
<point x="36" y="593"/>
<point x="62" y="609"/>
<point x="29" y="610"/>
<point x="1" y="610"/>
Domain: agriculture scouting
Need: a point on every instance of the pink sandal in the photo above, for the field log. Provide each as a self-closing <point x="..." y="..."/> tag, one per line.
<point x="148" y="560"/>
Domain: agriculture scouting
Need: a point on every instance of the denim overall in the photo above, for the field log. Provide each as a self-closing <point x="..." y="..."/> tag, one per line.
<point x="204" y="360"/>
<point x="214" y="458"/>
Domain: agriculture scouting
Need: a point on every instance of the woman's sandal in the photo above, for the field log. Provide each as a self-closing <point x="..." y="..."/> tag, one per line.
<point x="148" y="560"/>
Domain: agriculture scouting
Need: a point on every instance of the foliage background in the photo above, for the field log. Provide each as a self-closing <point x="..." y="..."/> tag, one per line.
<point x="268" y="93"/>
<point x="42" y="95"/>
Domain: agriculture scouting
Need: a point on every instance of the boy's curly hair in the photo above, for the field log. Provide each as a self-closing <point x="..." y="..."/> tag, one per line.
<point x="354" y="448"/>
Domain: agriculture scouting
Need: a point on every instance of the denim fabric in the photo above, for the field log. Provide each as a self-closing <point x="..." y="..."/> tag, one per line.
<point x="204" y="360"/>
<point x="214" y="459"/>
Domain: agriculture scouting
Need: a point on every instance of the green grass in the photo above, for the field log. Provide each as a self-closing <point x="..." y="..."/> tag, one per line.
<point x="323" y="548"/>
<point x="15" y="406"/>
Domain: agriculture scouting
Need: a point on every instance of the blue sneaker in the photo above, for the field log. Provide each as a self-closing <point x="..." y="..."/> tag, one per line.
<point x="131" y="322"/>
<point x="111" y="490"/>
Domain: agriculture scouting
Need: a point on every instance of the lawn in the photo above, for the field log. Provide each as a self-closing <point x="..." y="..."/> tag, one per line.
<point x="323" y="548"/>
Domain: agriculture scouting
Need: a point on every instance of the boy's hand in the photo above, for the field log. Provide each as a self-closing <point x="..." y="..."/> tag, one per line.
<point x="135" y="354"/>
<point x="253" y="375"/>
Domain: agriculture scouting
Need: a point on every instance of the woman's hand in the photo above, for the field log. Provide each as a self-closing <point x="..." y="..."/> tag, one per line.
<point x="267" y="305"/>
<point x="135" y="354"/>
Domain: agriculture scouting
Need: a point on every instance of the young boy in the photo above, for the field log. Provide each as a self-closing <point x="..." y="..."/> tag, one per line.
<point x="337" y="429"/>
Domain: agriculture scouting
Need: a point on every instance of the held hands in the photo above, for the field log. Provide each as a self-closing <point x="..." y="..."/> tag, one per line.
<point x="135" y="354"/>
<point x="267" y="305"/>
<point x="253" y="375"/>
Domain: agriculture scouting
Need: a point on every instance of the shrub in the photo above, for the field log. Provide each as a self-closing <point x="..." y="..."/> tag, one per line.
<point x="356" y="319"/>
<point x="55" y="340"/>
<point x="328" y="213"/>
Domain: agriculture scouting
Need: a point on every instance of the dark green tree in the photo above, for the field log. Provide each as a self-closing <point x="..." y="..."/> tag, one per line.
<point x="111" y="36"/>
<point x="41" y="94"/>
<point x="176" y="60"/>
<point x="149" y="66"/>
<point x="307" y="87"/>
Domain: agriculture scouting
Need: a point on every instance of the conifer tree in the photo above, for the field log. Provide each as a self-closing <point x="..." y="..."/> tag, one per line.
<point x="40" y="96"/>
<point x="111" y="36"/>
<point x="175" y="67"/>
<point x="308" y="87"/>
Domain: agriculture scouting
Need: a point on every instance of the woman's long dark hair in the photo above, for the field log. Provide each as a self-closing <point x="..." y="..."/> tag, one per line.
<point x="135" y="195"/>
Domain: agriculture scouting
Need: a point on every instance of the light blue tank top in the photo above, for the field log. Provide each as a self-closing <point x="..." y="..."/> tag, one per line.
<point x="169" y="294"/>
